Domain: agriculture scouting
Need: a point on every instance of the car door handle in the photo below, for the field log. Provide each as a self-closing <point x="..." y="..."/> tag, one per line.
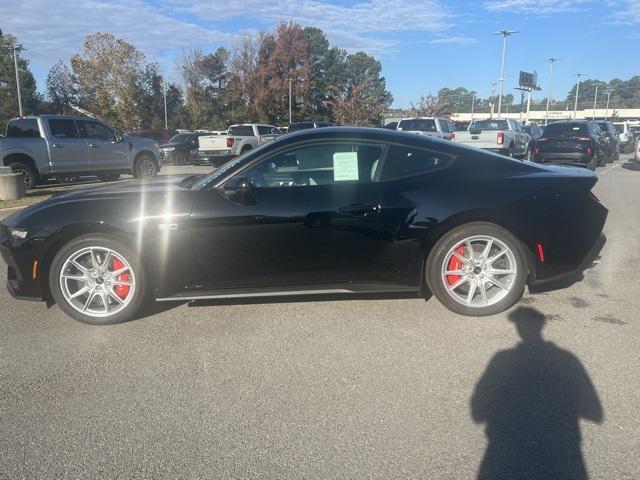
<point x="359" y="209"/>
<point x="57" y="145"/>
<point x="93" y="145"/>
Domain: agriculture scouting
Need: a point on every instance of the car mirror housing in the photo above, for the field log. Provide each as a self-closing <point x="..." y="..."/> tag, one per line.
<point x="239" y="190"/>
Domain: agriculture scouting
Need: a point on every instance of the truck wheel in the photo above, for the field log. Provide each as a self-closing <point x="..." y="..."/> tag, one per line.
<point x="181" y="159"/>
<point x="29" y="175"/>
<point x="510" y="152"/>
<point x="145" y="167"/>
<point x="246" y="148"/>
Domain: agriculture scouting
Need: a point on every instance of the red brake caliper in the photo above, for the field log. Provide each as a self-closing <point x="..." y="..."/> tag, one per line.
<point x="121" y="290"/>
<point x="455" y="264"/>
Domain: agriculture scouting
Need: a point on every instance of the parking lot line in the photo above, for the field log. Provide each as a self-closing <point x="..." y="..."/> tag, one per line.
<point x="611" y="168"/>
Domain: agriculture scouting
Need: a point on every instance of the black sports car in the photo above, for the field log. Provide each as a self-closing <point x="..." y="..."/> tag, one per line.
<point x="330" y="210"/>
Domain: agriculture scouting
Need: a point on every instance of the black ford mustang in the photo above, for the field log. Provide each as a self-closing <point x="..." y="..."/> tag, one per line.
<point x="332" y="210"/>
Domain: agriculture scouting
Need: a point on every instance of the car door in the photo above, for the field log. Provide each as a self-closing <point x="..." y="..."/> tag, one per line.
<point x="106" y="150"/>
<point x="69" y="152"/>
<point x="302" y="215"/>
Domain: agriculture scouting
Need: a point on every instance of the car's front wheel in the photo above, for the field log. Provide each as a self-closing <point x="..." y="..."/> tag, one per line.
<point x="145" y="167"/>
<point x="98" y="279"/>
<point x="477" y="269"/>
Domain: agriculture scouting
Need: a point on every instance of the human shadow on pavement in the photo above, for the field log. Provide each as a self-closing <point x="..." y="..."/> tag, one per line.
<point x="531" y="399"/>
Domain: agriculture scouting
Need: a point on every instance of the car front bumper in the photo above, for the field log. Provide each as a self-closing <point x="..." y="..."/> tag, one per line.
<point x="23" y="268"/>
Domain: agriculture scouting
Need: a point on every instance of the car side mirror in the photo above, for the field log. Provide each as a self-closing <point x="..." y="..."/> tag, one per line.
<point x="239" y="190"/>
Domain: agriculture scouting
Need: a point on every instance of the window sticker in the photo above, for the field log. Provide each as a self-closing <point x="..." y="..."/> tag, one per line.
<point x="345" y="166"/>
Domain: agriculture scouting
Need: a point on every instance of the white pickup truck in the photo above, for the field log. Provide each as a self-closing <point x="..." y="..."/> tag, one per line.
<point x="503" y="136"/>
<point x="431" y="126"/>
<point x="239" y="139"/>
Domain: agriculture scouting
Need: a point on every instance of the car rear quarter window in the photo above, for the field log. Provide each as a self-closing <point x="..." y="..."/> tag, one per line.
<point x="241" y="131"/>
<point x="63" y="128"/>
<point x="23" y="128"/>
<point x="404" y="161"/>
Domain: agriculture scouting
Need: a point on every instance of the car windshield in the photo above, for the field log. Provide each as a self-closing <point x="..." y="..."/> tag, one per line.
<point x="418" y="125"/>
<point x="489" y="125"/>
<point x="179" y="138"/>
<point x="566" y="129"/>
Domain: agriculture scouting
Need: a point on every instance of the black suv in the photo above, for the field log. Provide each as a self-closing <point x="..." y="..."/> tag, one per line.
<point x="178" y="148"/>
<point x="307" y="124"/>
<point x="572" y="142"/>
<point x="611" y="140"/>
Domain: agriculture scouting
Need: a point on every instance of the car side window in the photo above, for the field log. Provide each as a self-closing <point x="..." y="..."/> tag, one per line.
<point x="444" y="126"/>
<point x="62" y="128"/>
<point x="404" y="161"/>
<point x="97" y="130"/>
<point x="320" y="164"/>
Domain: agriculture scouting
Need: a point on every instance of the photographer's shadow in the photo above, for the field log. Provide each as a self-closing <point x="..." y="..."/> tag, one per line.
<point x="531" y="398"/>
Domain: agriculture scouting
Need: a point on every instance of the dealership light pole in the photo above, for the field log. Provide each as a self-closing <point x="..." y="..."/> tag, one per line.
<point x="606" y="112"/>
<point x="289" y="99"/>
<point x="575" y="105"/>
<point x="164" y="94"/>
<point x="473" y="102"/>
<point x="505" y="34"/>
<point x="595" y="102"/>
<point x="551" y="61"/>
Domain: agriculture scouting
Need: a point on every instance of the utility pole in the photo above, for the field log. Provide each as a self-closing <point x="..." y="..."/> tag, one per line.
<point x="575" y="105"/>
<point x="595" y="101"/>
<point x="528" y="105"/>
<point x="606" y="112"/>
<point x="493" y="90"/>
<point x="164" y="93"/>
<point x="504" y="34"/>
<point x="289" y="99"/>
<point x="473" y="102"/>
<point x="551" y="61"/>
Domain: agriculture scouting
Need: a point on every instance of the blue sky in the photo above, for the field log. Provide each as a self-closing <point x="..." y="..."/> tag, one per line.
<point x="423" y="44"/>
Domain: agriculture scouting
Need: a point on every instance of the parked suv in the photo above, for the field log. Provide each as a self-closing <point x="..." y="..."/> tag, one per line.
<point x="611" y="140"/>
<point x="627" y="140"/>
<point x="179" y="147"/>
<point x="71" y="146"/>
<point x="432" y="126"/>
<point x="576" y="142"/>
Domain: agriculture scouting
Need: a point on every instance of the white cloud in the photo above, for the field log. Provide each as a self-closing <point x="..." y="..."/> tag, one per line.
<point x="540" y="7"/>
<point x="456" y="40"/>
<point x="52" y="30"/>
<point x="357" y="26"/>
<point x="629" y="12"/>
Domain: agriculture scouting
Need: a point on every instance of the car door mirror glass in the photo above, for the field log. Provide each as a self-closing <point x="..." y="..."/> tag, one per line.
<point x="239" y="190"/>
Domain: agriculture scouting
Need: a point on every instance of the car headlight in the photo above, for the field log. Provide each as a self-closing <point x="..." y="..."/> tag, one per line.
<point x="169" y="149"/>
<point x="18" y="233"/>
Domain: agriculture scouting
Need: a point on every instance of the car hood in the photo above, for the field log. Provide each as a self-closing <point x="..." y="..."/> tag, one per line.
<point x="147" y="188"/>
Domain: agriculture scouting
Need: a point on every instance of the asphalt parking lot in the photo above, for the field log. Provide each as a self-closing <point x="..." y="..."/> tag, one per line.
<point x="365" y="388"/>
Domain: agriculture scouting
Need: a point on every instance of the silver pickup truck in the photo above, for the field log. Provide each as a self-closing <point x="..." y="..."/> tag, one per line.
<point x="503" y="136"/>
<point x="49" y="146"/>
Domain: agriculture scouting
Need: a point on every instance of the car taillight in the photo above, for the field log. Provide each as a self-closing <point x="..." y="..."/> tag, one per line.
<point x="536" y="151"/>
<point x="229" y="142"/>
<point x="453" y="137"/>
<point x="589" y="150"/>
<point x="500" y="138"/>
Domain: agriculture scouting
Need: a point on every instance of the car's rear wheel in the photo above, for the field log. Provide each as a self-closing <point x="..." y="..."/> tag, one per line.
<point x="477" y="269"/>
<point x="97" y="279"/>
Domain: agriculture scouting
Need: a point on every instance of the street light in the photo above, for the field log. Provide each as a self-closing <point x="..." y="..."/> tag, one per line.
<point x="505" y="34"/>
<point x="164" y="93"/>
<point x="606" y="112"/>
<point x="575" y="105"/>
<point x="551" y="61"/>
<point x="16" y="49"/>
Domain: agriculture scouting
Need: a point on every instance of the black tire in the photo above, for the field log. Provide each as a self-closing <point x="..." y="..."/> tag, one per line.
<point x="109" y="177"/>
<point x="510" y="152"/>
<point x="437" y="257"/>
<point x="181" y="159"/>
<point x="29" y="175"/>
<point x="246" y="148"/>
<point x="602" y="161"/>
<point x="145" y="166"/>
<point x="99" y="240"/>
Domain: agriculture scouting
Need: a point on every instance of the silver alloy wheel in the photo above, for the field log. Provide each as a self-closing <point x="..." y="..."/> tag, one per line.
<point x="479" y="271"/>
<point x="97" y="281"/>
<point x="146" y="168"/>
